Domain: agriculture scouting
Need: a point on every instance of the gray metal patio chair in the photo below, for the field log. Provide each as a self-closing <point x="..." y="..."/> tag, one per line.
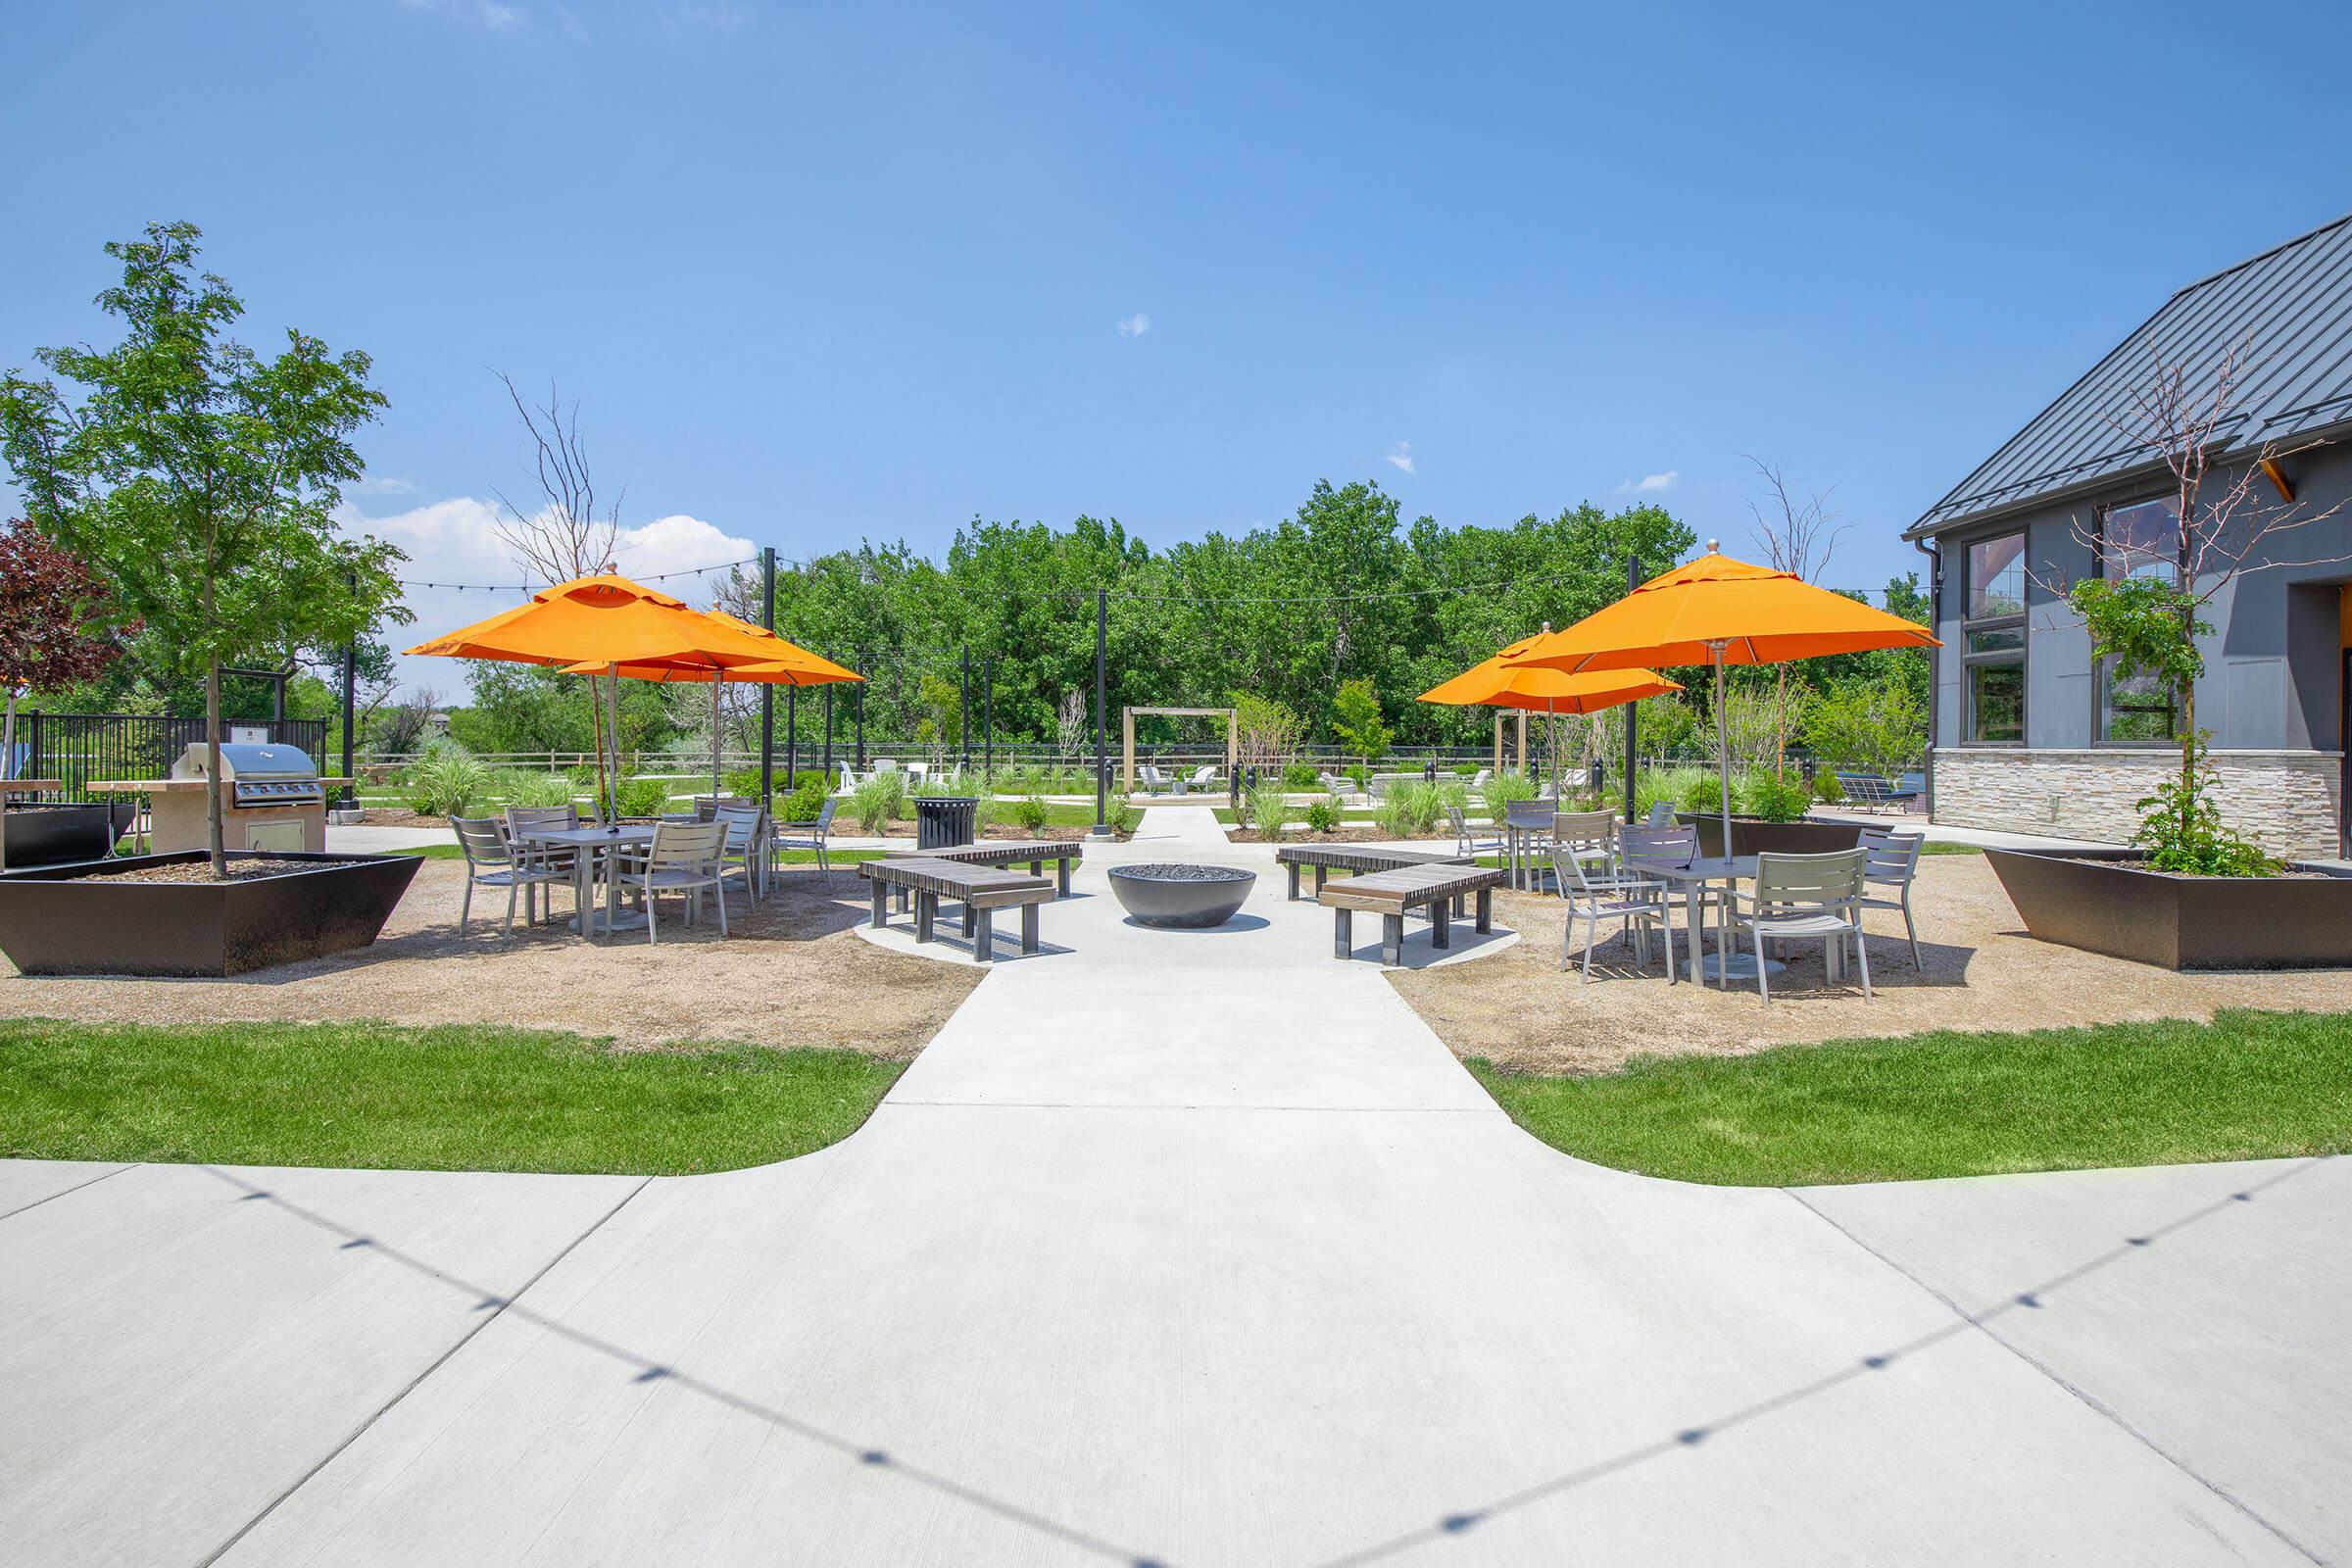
<point x="1805" y="895"/>
<point x="1594" y="892"/>
<point x="1586" y="836"/>
<point x="1891" y="862"/>
<point x="492" y="862"/>
<point x="1465" y="838"/>
<point x="745" y="845"/>
<point x="812" y="835"/>
<point x="684" y="858"/>
<point x="1661" y="815"/>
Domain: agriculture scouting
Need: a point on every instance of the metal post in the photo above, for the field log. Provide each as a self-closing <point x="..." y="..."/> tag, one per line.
<point x="1633" y="580"/>
<point x="963" y="714"/>
<point x="987" y="713"/>
<point x="861" y="714"/>
<point x="792" y="737"/>
<point x="767" y="693"/>
<point x="351" y="704"/>
<point x="1102" y="828"/>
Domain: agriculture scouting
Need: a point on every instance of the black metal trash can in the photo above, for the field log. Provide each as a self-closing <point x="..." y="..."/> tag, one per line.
<point x="943" y="821"/>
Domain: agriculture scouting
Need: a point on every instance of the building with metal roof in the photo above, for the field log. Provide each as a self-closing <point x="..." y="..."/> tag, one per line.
<point x="2030" y="732"/>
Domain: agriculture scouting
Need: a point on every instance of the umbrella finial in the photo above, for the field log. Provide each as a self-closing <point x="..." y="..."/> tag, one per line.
<point x="1714" y="547"/>
<point x="1547" y="629"/>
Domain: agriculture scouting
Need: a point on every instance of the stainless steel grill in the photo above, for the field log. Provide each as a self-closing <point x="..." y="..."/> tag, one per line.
<point x="259" y="775"/>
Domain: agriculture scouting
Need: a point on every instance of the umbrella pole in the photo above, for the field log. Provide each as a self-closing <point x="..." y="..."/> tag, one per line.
<point x="1723" y="748"/>
<point x="717" y="681"/>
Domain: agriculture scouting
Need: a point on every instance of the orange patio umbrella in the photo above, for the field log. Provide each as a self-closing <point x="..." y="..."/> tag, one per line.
<point x="607" y="622"/>
<point x="1716" y="611"/>
<point x="787" y="665"/>
<point x="1499" y="683"/>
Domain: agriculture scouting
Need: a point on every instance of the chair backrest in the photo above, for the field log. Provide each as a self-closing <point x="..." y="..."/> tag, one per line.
<point x="521" y="819"/>
<point x="484" y="841"/>
<point x="884" y="764"/>
<point x="1641" y="846"/>
<point x="1889" y="856"/>
<point x="1204" y="775"/>
<point x="1529" y="813"/>
<point x="1576" y="872"/>
<point x="824" y="817"/>
<point x="1791" y="883"/>
<point x="686" y="844"/>
<point x="1585" y="829"/>
<point x="1867" y="788"/>
<point x="1661" y="815"/>
<point x="1480" y="781"/>
<point x="1460" y="823"/>
<point x="742" y="824"/>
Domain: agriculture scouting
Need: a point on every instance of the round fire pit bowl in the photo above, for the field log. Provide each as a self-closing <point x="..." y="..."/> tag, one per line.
<point x="1186" y="898"/>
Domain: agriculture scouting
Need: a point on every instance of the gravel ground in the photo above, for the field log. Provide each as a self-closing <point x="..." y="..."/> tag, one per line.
<point x="1517" y="1010"/>
<point x="793" y="973"/>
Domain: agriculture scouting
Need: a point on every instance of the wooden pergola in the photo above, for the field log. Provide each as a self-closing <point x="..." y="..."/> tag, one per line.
<point x="1128" y="716"/>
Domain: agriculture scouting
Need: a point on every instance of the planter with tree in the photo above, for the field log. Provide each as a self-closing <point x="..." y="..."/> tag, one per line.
<point x="2196" y="893"/>
<point x="198" y="481"/>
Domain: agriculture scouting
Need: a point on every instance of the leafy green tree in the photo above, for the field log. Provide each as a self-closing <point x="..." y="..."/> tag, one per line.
<point x="1880" y="728"/>
<point x="199" y="479"/>
<point x="1357" y="719"/>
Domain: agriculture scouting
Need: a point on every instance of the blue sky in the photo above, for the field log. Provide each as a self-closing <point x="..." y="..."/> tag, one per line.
<point x="820" y="274"/>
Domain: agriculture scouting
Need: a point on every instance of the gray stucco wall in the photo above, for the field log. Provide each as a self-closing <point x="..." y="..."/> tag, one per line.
<point x="2271" y="679"/>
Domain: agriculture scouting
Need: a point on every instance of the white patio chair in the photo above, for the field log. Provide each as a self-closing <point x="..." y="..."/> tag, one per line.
<point x="1891" y="860"/>
<point x="684" y="858"/>
<point x="1480" y="779"/>
<point x="1596" y="894"/>
<point x="1805" y="895"/>
<point x="1203" y="778"/>
<point x="746" y="846"/>
<point x="816" y="835"/>
<point x="491" y="862"/>
<point x="1588" y="836"/>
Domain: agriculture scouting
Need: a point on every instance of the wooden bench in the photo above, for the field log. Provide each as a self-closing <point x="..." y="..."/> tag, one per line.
<point x="1355" y="858"/>
<point x="1433" y="888"/>
<point x="981" y="890"/>
<point x="1008" y="852"/>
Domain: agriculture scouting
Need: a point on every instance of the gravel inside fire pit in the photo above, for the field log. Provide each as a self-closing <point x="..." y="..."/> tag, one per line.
<point x="1182" y="874"/>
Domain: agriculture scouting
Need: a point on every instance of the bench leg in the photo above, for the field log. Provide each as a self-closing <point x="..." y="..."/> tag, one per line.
<point x="1029" y="926"/>
<point x="926" y="914"/>
<point x="1392" y="938"/>
<point x="1486" y="911"/>
<point x="1441" y="923"/>
<point x="1037" y="868"/>
<point x="1343" y="934"/>
<point x="1065" y="878"/>
<point x="881" y="905"/>
<point x="983" y="926"/>
<point x="1321" y="871"/>
<point x="1293" y="869"/>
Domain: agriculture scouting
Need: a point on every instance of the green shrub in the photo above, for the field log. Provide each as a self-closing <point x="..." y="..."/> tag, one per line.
<point x="1323" y="816"/>
<point x="1702" y="795"/>
<point x="801" y="805"/>
<point x="1301" y="776"/>
<point x="446" y="782"/>
<point x="1122" y="817"/>
<point x="521" y="787"/>
<point x="1504" y="788"/>
<point x="1781" y="798"/>
<point x="879" y="801"/>
<point x="1263" y="807"/>
<point x="1827" y="789"/>
<point x="1030" y="812"/>
<point x="1410" y="810"/>
<point x="644" y="796"/>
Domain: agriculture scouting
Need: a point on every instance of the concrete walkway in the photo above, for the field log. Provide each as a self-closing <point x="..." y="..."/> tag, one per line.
<point x="1174" y="1248"/>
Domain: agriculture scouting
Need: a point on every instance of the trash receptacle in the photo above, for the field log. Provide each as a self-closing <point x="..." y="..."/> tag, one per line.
<point x="943" y="821"/>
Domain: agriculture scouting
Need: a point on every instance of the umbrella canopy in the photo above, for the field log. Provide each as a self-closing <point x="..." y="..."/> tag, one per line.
<point x="1719" y="611"/>
<point x="608" y="622"/>
<point x="1499" y="683"/>
<point x="786" y="665"/>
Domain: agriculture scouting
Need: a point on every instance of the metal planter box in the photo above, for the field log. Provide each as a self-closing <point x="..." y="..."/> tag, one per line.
<point x="42" y="833"/>
<point x="85" y="919"/>
<point x="2104" y="901"/>
<point x="1752" y="835"/>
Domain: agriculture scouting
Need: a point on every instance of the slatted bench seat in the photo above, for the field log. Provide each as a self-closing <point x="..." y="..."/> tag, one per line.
<point x="1389" y="894"/>
<point x="1355" y="858"/>
<point x="981" y="890"/>
<point x="1010" y="851"/>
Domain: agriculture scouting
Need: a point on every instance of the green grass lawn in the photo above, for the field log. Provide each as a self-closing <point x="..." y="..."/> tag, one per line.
<point x="2249" y="1086"/>
<point x="384" y="1097"/>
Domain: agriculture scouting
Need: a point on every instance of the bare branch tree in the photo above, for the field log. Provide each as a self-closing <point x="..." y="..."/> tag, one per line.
<point x="1799" y="534"/>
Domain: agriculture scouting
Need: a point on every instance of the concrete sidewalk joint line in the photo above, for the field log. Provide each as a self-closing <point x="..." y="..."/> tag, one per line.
<point x="51" y="1197"/>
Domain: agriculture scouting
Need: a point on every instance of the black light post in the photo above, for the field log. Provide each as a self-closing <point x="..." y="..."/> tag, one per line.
<point x="859" y="715"/>
<point x="1633" y="580"/>
<point x="1102" y="697"/>
<point x="988" y="714"/>
<point x="963" y="714"/>
<point x="351" y="706"/>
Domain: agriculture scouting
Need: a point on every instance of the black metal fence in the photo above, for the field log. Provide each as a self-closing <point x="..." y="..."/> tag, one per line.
<point x="77" y="748"/>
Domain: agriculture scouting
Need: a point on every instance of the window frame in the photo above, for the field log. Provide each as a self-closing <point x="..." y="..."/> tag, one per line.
<point x="1970" y="626"/>
<point x="2101" y="563"/>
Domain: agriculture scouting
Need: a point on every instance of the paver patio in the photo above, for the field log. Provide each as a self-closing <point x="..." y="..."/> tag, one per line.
<point x="1181" y="1249"/>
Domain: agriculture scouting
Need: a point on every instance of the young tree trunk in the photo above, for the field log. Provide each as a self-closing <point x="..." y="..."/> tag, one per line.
<point x="215" y="839"/>
<point x="8" y="736"/>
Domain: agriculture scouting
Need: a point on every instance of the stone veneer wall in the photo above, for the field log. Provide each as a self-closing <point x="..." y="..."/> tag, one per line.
<point x="2287" y="801"/>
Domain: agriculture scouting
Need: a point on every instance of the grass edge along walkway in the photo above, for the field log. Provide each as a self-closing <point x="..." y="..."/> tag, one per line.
<point x="2251" y="1085"/>
<point x="386" y="1097"/>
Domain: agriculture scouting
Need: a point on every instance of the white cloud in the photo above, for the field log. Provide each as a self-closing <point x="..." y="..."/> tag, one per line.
<point x="1650" y="483"/>
<point x="455" y="542"/>
<point x="384" y="485"/>
<point x="1403" y="457"/>
<point x="1134" y="325"/>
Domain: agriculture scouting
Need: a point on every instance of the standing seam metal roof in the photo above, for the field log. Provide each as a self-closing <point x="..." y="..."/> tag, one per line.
<point x="2289" y="307"/>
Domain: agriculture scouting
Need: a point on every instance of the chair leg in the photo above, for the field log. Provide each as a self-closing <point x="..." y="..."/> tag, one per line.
<point x="653" y="917"/>
<point x="718" y="888"/>
<point x="1862" y="954"/>
<point x="1911" y="930"/>
<point x="513" y="888"/>
<point x="1591" y="936"/>
<point x="1763" y="974"/>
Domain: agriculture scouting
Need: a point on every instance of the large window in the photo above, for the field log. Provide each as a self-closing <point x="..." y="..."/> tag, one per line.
<point x="2139" y="540"/>
<point x="1992" y="645"/>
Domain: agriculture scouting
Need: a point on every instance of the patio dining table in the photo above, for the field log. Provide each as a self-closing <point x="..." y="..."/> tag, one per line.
<point x="589" y="845"/>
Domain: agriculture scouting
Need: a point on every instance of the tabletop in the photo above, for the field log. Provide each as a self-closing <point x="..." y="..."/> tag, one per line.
<point x="1706" y="868"/>
<point x="626" y="833"/>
